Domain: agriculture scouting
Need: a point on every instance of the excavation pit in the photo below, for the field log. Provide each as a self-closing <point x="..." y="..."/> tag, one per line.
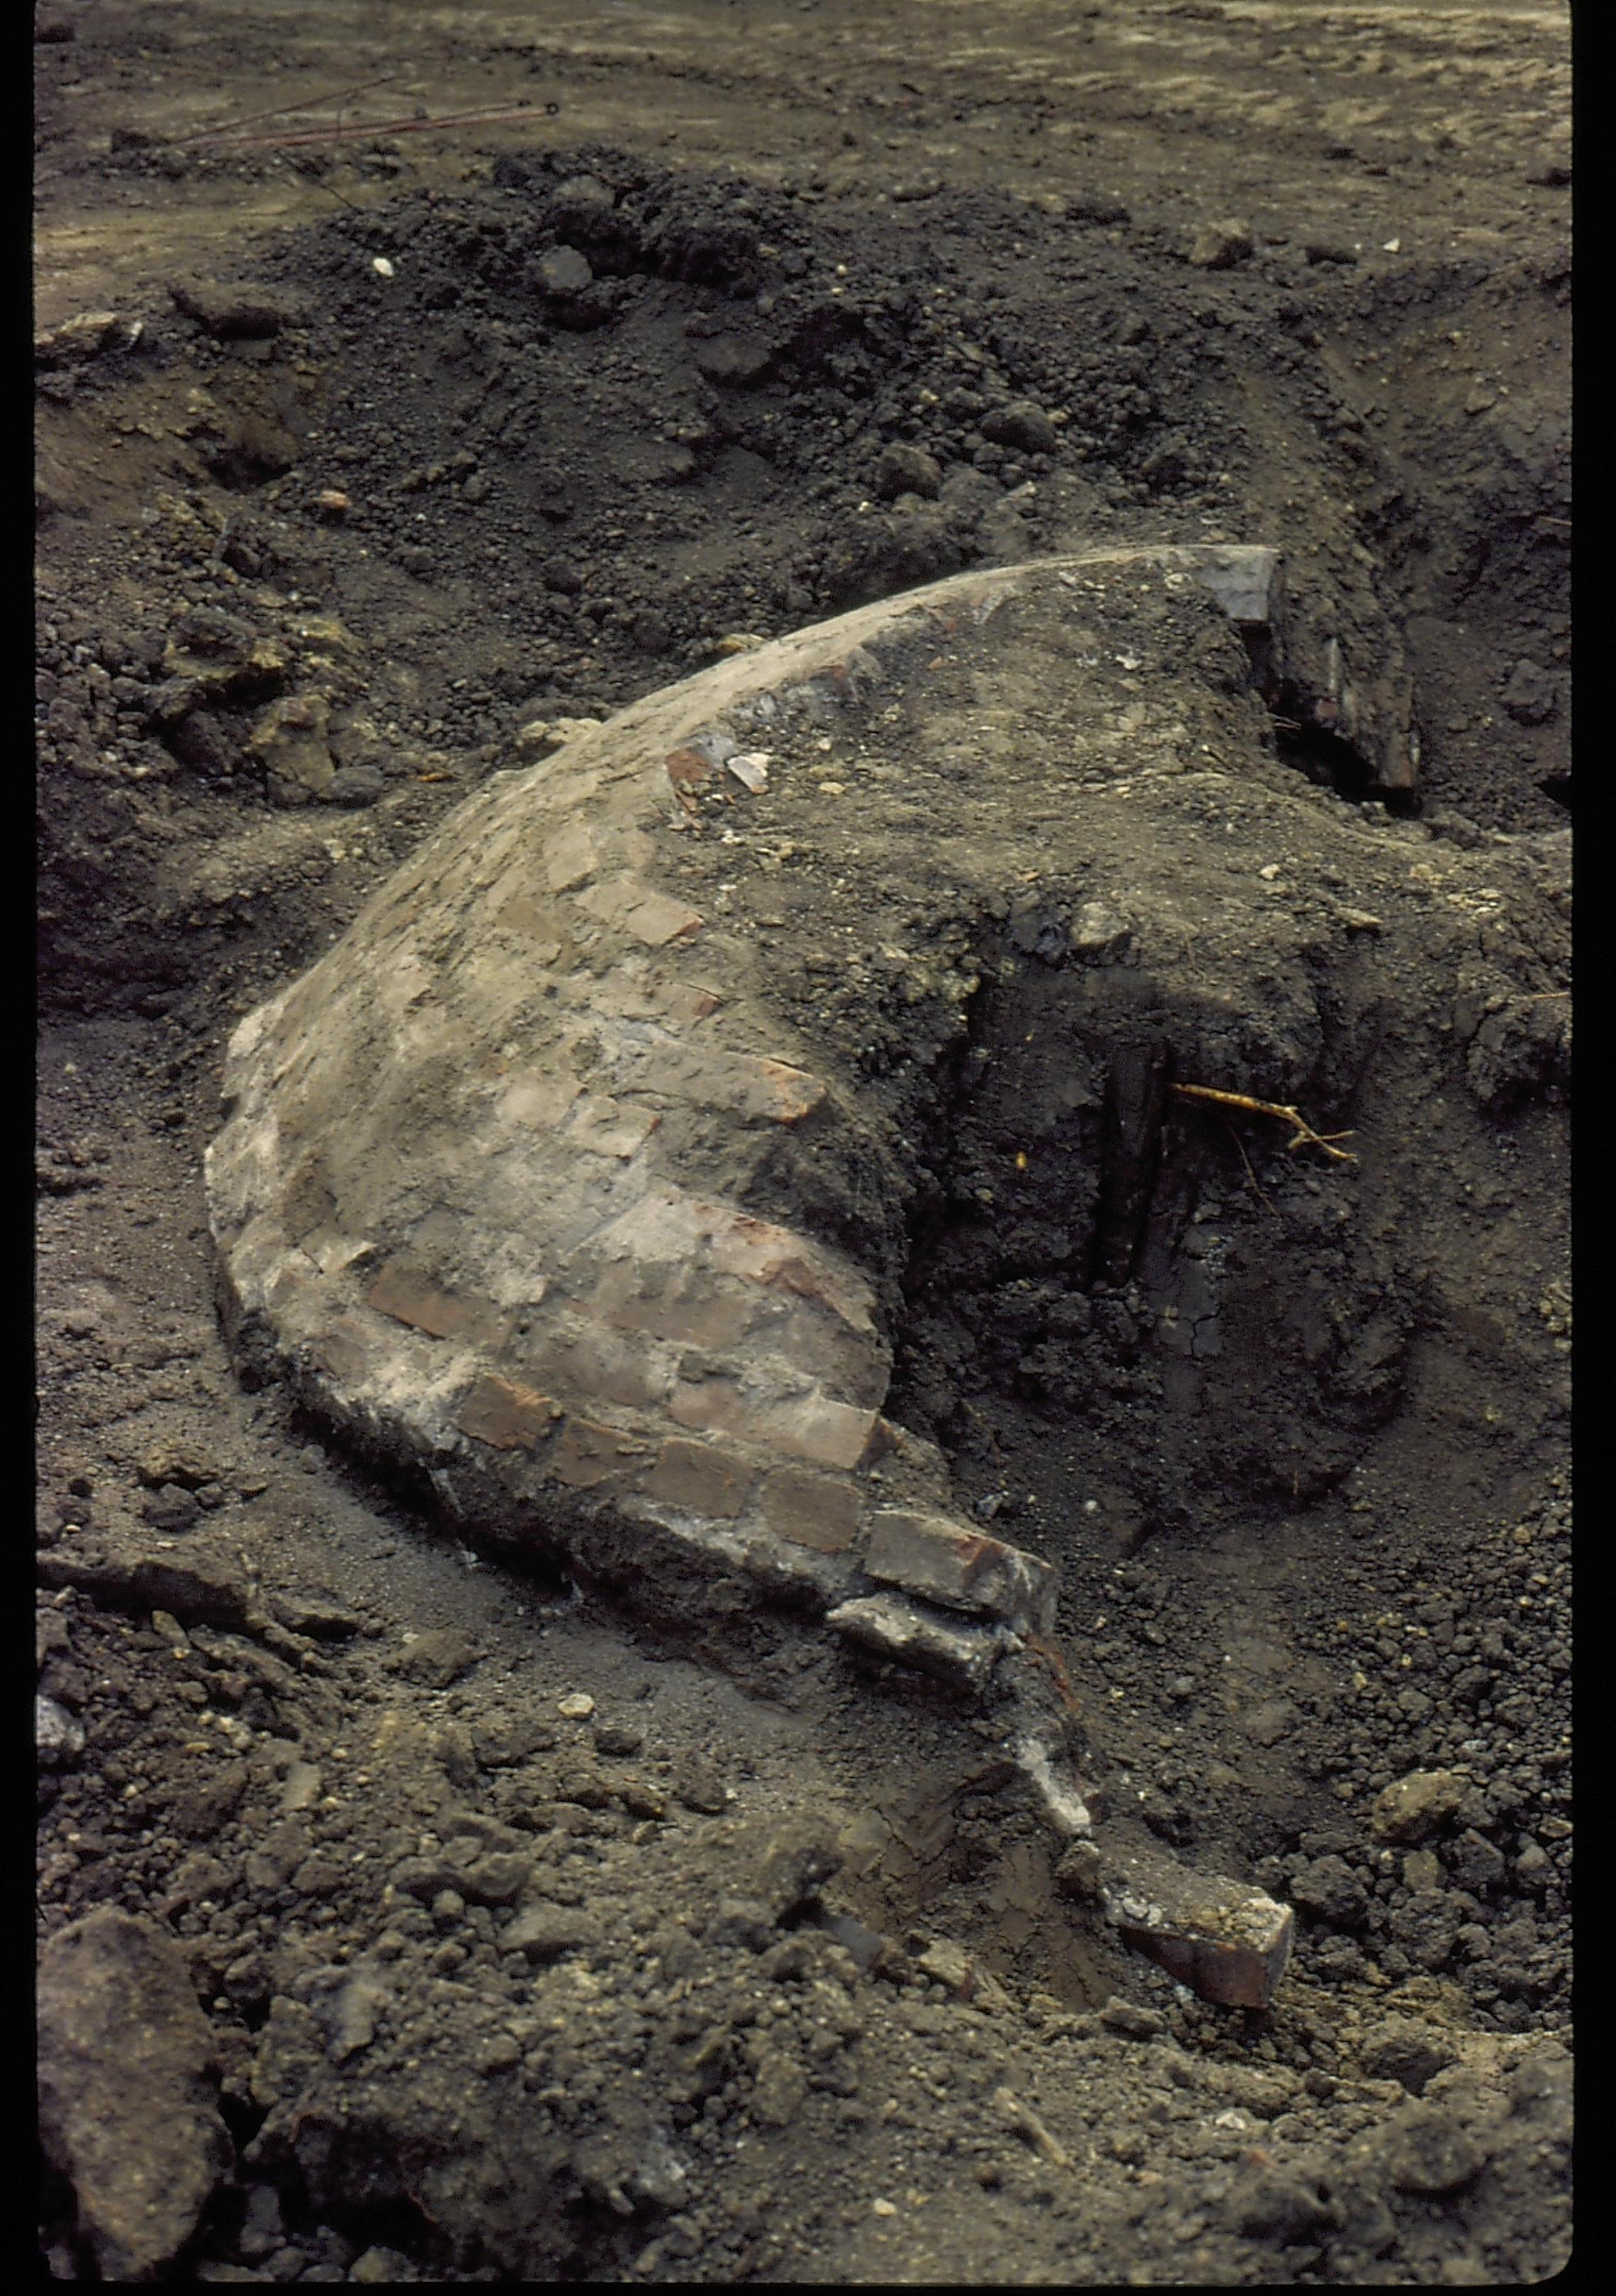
<point x="675" y="1155"/>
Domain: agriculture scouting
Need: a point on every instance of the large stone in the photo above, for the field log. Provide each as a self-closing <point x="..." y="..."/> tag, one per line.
<point x="126" y="2112"/>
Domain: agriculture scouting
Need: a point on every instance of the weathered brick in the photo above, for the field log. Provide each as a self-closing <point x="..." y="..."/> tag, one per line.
<point x="587" y="1454"/>
<point x="812" y="1427"/>
<point x="762" y="1090"/>
<point x="538" y="1101"/>
<point x="852" y="1364"/>
<point x="608" y="1128"/>
<point x="343" y="1352"/>
<point x="684" y="1001"/>
<point x="703" y="1477"/>
<point x="410" y="1297"/>
<point x="652" y="917"/>
<point x="543" y="921"/>
<point x="1225" y="1940"/>
<point x="571" y="859"/>
<point x="744" y="1245"/>
<point x="949" y="1562"/>
<point x="590" y="1360"/>
<point x="690" y="1308"/>
<point x="816" y="1511"/>
<point x="510" y="1417"/>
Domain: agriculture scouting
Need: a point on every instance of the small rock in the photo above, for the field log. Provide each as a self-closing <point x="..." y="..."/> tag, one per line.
<point x="437" y="1658"/>
<point x="58" y="1738"/>
<point x="947" y="1964"/>
<point x="1132" y="2019"/>
<point x="263" y="2230"/>
<point x="796" y="1865"/>
<point x="1422" y="1870"/>
<point x="780" y="2089"/>
<point x="1277" y="2204"/>
<point x="1021" y="424"/>
<point x="1529" y="694"/>
<point x="378" y="2267"/>
<point x="1098" y="934"/>
<point x="1328" y="250"/>
<point x="743" y="1922"/>
<point x="1427" y="2151"/>
<point x="702" y="1789"/>
<point x="738" y="361"/>
<point x="903" y="469"/>
<point x="543" y="1933"/>
<point x="88" y="335"/>
<point x="231" y="310"/>
<point x="1219" y="246"/>
<point x="612" y="1738"/>
<point x="577" y="1706"/>
<point x="498" y="1878"/>
<point x="356" y="785"/>
<point x="545" y="735"/>
<point x="563" y="271"/>
<point x="1329" y="1888"/>
<point x="1405" y="2049"/>
<point x="500" y="1744"/>
<point x="352" y="2016"/>
<point x="1475" y="1863"/>
<point x="289" y="741"/>
<point x="1415" y="1806"/>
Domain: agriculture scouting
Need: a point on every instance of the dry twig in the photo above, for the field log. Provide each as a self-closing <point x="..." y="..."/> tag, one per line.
<point x="1302" y="1134"/>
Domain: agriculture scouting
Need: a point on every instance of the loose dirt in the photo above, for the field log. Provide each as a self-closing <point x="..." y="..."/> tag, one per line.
<point x="408" y="1916"/>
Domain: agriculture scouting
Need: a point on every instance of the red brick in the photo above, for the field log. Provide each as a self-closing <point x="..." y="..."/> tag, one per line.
<point x="703" y="1477"/>
<point x="690" y="773"/>
<point x="1226" y="1940"/>
<point x="408" y="1297"/>
<point x="343" y="1352"/>
<point x="815" y="1511"/>
<point x="785" y="1262"/>
<point x="951" y="1563"/>
<point x="512" y="1418"/>
<point x="587" y="1454"/>
<point x="812" y="1427"/>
